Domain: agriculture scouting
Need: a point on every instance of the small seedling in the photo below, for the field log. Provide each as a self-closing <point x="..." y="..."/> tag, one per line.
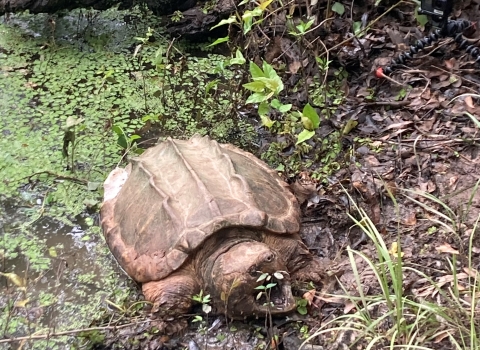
<point x="204" y="300"/>
<point x="302" y="306"/>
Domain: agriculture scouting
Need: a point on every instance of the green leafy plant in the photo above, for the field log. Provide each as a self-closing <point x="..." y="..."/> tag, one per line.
<point x="128" y="143"/>
<point x="204" y="300"/>
<point x="265" y="290"/>
<point x="265" y="84"/>
<point x="302" y="28"/>
<point x="337" y="7"/>
<point x="177" y="16"/>
<point x="302" y="306"/>
<point x="249" y="17"/>
<point x="310" y="121"/>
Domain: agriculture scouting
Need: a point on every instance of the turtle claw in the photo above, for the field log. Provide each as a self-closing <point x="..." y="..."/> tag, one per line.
<point x="314" y="272"/>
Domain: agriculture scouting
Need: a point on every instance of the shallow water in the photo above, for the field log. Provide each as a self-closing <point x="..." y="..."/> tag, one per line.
<point x="58" y="276"/>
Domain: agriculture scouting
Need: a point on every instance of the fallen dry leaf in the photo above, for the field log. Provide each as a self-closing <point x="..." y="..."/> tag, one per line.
<point x="446" y="248"/>
<point x="21" y="303"/>
<point x="469" y="101"/>
<point x="442" y="335"/>
<point x="349" y="306"/>
<point x="428" y="186"/>
<point x="471" y="272"/>
<point x="410" y="219"/>
<point x="309" y="296"/>
<point x="294" y="67"/>
<point x="453" y="180"/>
<point x="450" y="278"/>
<point x="450" y="64"/>
<point x="15" y="279"/>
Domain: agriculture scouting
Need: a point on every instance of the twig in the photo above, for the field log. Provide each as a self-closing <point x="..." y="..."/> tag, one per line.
<point x="416" y="156"/>
<point x="70" y="332"/>
<point x="393" y="104"/>
<point x="57" y="176"/>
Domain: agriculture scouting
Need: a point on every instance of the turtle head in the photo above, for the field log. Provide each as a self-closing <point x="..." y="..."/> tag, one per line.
<point x="250" y="278"/>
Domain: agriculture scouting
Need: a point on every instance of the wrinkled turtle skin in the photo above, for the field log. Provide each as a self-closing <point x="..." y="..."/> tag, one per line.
<point x="195" y="215"/>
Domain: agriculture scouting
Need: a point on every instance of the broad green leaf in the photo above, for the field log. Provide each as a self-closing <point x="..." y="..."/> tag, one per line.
<point x="304" y="136"/>
<point x="239" y="59"/>
<point x="276" y="103"/>
<point x="266" y="121"/>
<point x="285" y="108"/>
<point x="264" y="4"/>
<point x="117" y="130"/>
<point x="256" y="71"/>
<point x="311" y="113"/>
<point x="303" y="27"/>
<point x="357" y="28"/>
<point x="231" y="19"/>
<point x="122" y="141"/>
<point x="247" y="15"/>
<point x="219" y="41"/>
<point x="268" y="70"/>
<point x="421" y="19"/>
<point x="134" y="137"/>
<point x="338" y="8"/>
<point x="307" y="123"/>
<point x="351" y="124"/>
<point x="257" y="98"/>
<point x="302" y="310"/>
<point x="257" y="11"/>
<point x="247" y="25"/>
<point x="263" y="108"/>
<point x="90" y="203"/>
<point x="255" y="86"/>
<point x="309" y="24"/>
<point x="210" y="85"/>
<point x="274" y="85"/>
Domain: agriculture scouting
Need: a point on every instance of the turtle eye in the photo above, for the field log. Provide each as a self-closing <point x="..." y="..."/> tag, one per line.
<point x="270" y="257"/>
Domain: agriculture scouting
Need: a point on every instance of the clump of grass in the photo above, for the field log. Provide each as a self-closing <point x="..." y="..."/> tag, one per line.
<point x="396" y="319"/>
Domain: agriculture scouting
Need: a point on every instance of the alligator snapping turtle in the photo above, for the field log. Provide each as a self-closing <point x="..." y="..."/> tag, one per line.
<point x="191" y="216"/>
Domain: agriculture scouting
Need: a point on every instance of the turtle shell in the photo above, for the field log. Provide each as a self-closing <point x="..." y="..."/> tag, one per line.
<point x="168" y="201"/>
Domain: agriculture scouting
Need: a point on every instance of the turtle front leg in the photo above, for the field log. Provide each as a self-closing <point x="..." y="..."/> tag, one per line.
<point x="173" y="294"/>
<point x="302" y="265"/>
